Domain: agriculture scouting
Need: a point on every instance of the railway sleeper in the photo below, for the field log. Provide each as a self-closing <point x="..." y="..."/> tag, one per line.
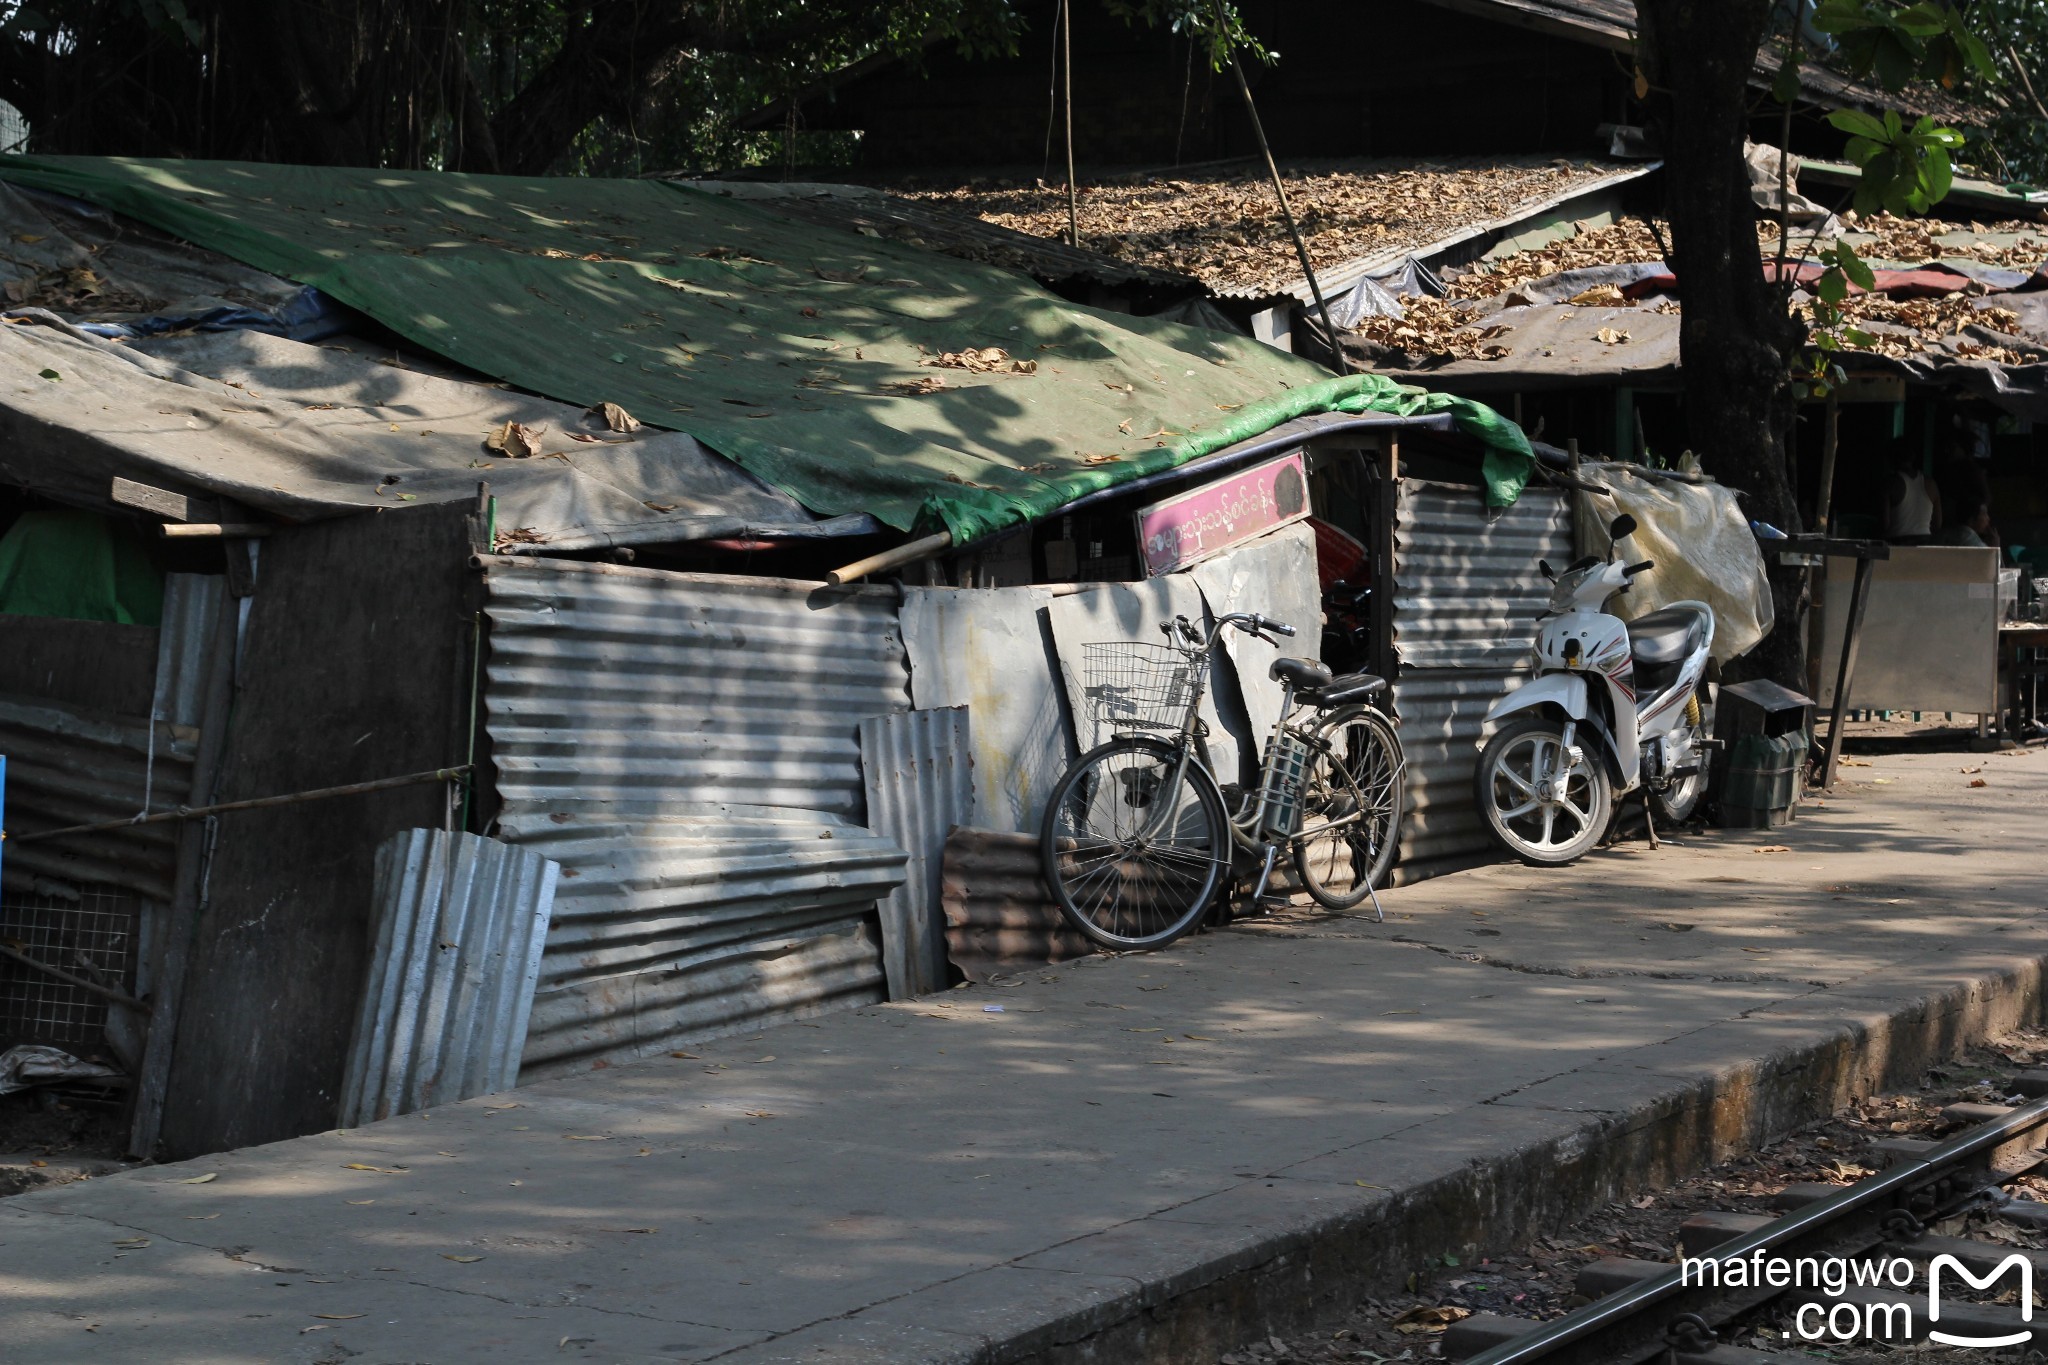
<point x="1484" y="1331"/>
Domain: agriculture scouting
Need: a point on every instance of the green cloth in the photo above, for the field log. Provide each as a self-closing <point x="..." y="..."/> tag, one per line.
<point x="811" y="357"/>
<point x="79" y="565"/>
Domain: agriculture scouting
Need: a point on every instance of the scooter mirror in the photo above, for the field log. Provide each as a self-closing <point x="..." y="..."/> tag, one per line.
<point x="1549" y="573"/>
<point x="1621" y="526"/>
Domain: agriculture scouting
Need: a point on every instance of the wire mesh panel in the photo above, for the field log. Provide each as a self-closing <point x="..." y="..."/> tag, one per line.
<point x="1144" y="686"/>
<point x="93" y="937"/>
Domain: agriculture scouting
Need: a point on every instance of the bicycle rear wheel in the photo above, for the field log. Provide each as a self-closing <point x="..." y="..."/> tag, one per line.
<point x="1135" y="843"/>
<point x="1361" y="773"/>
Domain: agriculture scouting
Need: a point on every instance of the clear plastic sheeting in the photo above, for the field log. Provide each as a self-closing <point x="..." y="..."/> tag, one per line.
<point x="1700" y="542"/>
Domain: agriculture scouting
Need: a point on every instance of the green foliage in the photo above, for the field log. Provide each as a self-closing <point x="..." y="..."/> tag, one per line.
<point x="1906" y="170"/>
<point x="1897" y="43"/>
<point x="1217" y="28"/>
<point x="1817" y="370"/>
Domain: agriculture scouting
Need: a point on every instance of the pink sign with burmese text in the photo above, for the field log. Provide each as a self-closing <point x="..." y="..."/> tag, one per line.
<point x="1221" y="515"/>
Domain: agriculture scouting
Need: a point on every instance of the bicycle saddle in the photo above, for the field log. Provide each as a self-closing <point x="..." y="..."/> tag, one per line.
<point x="1345" y="688"/>
<point x="1305" y="674"/>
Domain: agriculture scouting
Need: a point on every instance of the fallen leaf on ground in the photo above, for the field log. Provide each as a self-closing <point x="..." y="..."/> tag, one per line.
<point x="463" y="1259"/>
<point x="1611" y="336"/>
<point x="1421" y="1319"/>
<point x="686" y="1056"/>
<point x="206" y="1179"/>
<point x="581" y="1137"/>
<point x="1387" y="1012"/>
<point x="1675" y="927"/>
<point x="769" y="1058"/>
<point x="1772" y="848"/>
<point x="338" y="1317"/>
<point x="1979" y="782"/>
<point x="931" y="383"/>
<point x="362" y="1201"/>
<point x="1367" y="1184"/>
<point x="1857" y="763"/>
<point x="202" y="1217"/>
<point x="380" y="1170"/>
<point x="1101" y="459"/>
<point x="133" y="1243"/>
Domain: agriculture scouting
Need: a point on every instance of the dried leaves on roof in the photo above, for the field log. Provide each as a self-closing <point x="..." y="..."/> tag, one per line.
<point x="1224" y="225"/>
<point x="1433" y="327"/>
<point x="1624" y="243"/>
<point x="1915" y="240"/>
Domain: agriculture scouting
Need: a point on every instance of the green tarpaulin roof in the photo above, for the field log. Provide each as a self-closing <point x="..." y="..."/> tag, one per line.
<point x="815" y="359"/>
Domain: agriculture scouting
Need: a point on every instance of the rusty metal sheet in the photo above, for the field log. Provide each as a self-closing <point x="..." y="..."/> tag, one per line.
<point x="919" y="768"/>
<point x="460" y="923"/>
<point x="999" y="916"/>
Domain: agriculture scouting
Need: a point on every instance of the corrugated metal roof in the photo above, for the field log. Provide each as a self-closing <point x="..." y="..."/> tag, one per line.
<point x="1466" y="597"/>
<point x="460" y="921"/>
<point x="999" y="916"/>
<point x="919" y="771"/>
<point x="687" y="747"/>
<point x="875" y="213"/>
<point x="1613" y="24"/>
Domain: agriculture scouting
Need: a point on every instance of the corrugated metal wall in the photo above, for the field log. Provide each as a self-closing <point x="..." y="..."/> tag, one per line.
<point x="687" y="747"/>
<point x="1466" y="596"/>
<point x="919" y="767"/>
<point x="460" y="925"/>
<point x="69" y="766"/>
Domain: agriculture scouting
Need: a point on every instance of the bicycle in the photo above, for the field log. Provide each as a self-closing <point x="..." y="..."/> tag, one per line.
<point x="1139" y="833"/>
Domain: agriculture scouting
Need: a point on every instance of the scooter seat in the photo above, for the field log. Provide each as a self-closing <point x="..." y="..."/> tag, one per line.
<point x="1665" y="637"/>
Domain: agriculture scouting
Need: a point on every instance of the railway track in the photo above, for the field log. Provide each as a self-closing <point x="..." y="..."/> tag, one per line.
<point x="1874" y="1241"/>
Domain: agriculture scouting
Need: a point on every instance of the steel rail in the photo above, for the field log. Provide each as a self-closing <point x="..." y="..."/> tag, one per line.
<point x="1631" y="1307"/>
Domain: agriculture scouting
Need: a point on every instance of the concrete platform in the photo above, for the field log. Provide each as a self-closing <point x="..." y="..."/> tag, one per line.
<point x="1144" y="1158"/>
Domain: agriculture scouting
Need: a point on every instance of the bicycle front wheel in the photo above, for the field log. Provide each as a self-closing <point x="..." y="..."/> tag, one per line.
<point x="1351" y="807"/>
<point x="1135" y="843"/>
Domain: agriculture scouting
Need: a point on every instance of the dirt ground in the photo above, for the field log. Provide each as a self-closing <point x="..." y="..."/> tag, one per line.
<point x="1537" y="1281"/>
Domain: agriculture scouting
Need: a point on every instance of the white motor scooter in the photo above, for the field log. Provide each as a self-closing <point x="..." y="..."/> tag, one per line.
<point x="1615" y="706"/>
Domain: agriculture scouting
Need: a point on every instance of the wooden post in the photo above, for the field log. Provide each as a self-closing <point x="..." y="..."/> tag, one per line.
<point x="1388" y="468"/>
<point x="1824" y="501"/>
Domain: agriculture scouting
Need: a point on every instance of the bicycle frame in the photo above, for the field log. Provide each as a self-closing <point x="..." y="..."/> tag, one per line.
<point x="1244" y="827"/>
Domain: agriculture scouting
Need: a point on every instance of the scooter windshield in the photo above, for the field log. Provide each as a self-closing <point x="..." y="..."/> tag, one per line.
<point x="1564" y="594"/>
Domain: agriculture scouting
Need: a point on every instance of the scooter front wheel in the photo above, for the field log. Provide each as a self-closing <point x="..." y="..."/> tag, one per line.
<point x="1542" y="806"/>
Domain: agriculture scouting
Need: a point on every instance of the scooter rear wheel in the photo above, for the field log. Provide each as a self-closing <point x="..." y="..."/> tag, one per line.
<point x="1543" y="812"/>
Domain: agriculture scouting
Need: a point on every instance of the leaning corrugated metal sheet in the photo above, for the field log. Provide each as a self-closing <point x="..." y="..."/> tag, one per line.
<point x="687" y="747"/>
<point x="460" y="925"/>
<point x="1466" y="597"/>
<point x="71" y="767"/>
<point x="919" y="768"/>
<point x="999" y="916"/>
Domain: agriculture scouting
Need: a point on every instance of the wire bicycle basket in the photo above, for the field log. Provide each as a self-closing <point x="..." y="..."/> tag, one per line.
<point x="1140" y="686"/>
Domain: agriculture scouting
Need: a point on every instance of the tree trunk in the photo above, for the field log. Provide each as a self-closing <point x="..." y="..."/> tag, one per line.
<point x="1736" y="336"/>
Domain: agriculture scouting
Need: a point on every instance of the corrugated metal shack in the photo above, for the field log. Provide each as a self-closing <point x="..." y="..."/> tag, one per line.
<point x="621" y="655"/>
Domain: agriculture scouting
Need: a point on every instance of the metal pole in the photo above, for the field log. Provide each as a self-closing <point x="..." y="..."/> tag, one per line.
<point x="1846" y="673"/>
<point x="81" y="982"/>
<point x="1067" y="84"/>
<point x="1244" y="89"/>
<point x="253" y="803"/>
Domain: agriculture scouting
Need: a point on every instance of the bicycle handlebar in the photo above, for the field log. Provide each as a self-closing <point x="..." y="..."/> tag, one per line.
<point x="1249" y="622"/>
